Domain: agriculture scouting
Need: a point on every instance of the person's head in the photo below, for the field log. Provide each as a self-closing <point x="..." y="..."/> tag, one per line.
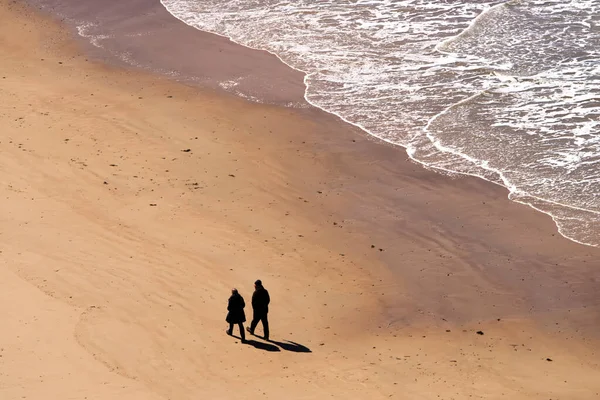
<point x="258" y="283"/>
<point x="234" y="291"/>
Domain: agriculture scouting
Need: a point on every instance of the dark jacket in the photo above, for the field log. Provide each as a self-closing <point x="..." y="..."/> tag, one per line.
<point x="235" y="308"/>
<point x="261" y="300"/>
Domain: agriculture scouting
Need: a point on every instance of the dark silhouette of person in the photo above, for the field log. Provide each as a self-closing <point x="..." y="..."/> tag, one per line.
<point x="236" y="314"/>
<point x="260" y="308"/>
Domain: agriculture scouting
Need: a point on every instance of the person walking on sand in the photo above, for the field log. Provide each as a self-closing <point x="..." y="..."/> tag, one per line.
<point x="236" y="314"/>
<point x="260" y="308"/>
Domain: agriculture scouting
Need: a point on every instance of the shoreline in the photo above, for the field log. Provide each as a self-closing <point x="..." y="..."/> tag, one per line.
<point x="263" y="89"/>
<point x="538" y="204"/>
<point x="142" y="34"/>
<point x="135" y="203"/>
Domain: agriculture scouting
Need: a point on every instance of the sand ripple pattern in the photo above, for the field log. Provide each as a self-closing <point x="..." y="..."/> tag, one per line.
<point x="508" y="91"/>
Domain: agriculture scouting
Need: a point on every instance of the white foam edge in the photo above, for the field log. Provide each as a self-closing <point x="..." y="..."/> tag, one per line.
<point x="511" y="191"/>
<point x="469" y="27"/>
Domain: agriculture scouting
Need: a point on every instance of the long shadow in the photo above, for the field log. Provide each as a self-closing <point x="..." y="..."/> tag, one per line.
<point x="259" y="345"/>
<point x="262" y="345"/>
<point x="292" y="346"/>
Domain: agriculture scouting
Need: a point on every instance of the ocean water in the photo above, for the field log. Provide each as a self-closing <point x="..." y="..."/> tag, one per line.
<point x="507" y="91"/>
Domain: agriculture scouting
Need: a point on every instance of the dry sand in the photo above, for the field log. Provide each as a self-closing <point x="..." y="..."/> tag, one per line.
<point x="132" y="204"/>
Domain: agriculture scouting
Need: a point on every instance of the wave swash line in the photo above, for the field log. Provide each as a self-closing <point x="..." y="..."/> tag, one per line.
<point x="512" y="190"/>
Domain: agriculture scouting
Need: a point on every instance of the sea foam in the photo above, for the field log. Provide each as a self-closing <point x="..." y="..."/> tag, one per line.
<point x="507" y="91"/>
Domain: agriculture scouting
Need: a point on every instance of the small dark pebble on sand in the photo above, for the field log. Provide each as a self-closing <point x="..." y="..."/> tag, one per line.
<point x="480" y="332"/>
<point x="186" y="150"/>
<point x="152" y="204"/>
<point x="548" y="359"/>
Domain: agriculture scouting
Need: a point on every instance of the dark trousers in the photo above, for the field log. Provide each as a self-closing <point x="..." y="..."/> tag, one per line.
<point x="241" y="326"/>
<point x="265" y="323"/>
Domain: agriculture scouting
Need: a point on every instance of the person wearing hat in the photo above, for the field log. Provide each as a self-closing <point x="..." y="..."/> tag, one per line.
<point x="260" y="308"/>
<point x="236" y="314"/>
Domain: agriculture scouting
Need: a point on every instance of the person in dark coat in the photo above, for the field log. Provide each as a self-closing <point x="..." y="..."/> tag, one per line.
<point x="260" y="307"/>
<point x="235" y="313"/>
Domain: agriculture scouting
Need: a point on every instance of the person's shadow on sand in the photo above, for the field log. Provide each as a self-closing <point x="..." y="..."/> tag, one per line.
<point x="262" y="345"/>
<point x="292" y="346"/>
<point x="259" y="345"/>
<point x="271" y="345"/>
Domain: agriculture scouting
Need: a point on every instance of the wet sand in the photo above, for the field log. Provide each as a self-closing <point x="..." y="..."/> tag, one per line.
<point x="132" y="204"/>
<point x="143" y="33"/>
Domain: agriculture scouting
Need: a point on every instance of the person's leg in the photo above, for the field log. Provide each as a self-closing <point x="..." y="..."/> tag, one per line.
<point x="242" y="333"/>
<point x="265" y="324"/>
<point x="230" y="330"/>
<point x="255" y="320"/>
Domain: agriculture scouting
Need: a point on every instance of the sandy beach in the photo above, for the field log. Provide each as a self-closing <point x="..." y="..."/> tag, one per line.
<point x="132" y="204"/>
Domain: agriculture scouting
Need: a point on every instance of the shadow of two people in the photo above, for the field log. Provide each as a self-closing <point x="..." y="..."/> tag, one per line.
<point x="288" y="345"/>
<point x="273" y="345"/>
